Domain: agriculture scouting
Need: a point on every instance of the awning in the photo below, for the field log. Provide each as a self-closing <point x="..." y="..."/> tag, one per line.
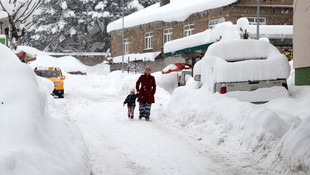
<point x="188" y="50"/>
<point x="176" y="67"/>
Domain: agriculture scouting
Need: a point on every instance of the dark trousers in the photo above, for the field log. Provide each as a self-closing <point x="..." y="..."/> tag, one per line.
<point x="145" y="110"/>
<point x="131" y="111"/>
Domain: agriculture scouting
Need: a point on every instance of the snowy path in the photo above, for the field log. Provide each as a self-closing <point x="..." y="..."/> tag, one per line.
<point x="121" y="146"/>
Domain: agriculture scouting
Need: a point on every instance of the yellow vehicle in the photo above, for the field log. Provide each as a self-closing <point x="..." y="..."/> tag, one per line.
<point x="55" y="75"/>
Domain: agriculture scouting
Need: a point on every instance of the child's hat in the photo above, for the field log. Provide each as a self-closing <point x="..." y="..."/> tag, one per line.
<point x="132" y="90"/>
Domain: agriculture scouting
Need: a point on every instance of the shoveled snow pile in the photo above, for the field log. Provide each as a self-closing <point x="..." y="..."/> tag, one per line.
<point x="176" y="10"/>
<point x="275" y="134"/>
<point x="259" y="95"/>
<point x="66" y="64"/>
<point x="34" y="137"/>
<point x="31" y="50"/>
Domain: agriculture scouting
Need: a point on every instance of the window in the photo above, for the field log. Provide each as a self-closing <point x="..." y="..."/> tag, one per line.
<point x="213" y="22"/>
<point x="253" y="21"/>
<point x="188" y="30"/>
<point x="126" y="46"/>
<point x="148" y="40"/>
<point x="167" y="35"/>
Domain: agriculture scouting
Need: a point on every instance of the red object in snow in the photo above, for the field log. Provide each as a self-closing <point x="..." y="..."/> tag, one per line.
<point x="21" y="54"/>
<point x="176" y="67"/>
<point x="25" y="57"/>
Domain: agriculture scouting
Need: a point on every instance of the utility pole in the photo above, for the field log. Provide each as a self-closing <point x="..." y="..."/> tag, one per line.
<point x="257" y="19"/>
<point x="123" y="48"/>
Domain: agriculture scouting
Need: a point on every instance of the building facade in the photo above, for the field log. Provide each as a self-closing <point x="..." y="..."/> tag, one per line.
<point x="302" y="42"/>
<point x="151" y="37"/>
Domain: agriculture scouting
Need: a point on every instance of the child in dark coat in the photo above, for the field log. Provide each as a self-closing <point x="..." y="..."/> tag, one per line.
<point x="131" y="103"/>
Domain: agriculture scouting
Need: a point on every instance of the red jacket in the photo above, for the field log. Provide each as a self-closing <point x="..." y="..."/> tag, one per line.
<point x="147" y="89"/>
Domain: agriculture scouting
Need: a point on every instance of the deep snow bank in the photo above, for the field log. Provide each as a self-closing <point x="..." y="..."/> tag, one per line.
<point x="114" y="84"/>
<point x="66" y="64"/>
<point x="34" y="137"/>
<point x="276" y="134"/>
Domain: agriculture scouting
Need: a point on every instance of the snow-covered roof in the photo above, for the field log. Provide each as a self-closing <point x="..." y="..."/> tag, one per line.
<point x="211" y="35"/>
<point x="176" y="10"/>
<point x="272" y="31"/>
<point x="3" y="15"/>
<point x="202" y="38"/>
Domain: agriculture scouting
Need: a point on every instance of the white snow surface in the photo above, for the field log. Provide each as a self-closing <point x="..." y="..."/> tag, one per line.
<point x="170" y="67"/>
<point x="35" y="138"/>
<point x="228" y="32"/>
<point x="274" y="134"/>
<point x="225" y="31"/>
<point x="176" y="10"/>
<point x="66" y="64"/>
<point x="272" y="31"/>
<point x="215" y="134"/>
<point x="3" y="14"/>
<point x="259" y="95"/>
<point x="137" y="56"/>
<point x="135" y="4"/>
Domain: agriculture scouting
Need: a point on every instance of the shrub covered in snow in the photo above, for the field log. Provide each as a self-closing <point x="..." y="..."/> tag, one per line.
<point x="34" y="137"/>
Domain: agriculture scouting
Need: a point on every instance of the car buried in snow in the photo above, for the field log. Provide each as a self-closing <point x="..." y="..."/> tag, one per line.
<point x="249" y="70"/>
<point x="55" y="75"/>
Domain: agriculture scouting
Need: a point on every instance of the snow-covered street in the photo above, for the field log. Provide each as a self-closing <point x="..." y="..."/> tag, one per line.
<point x="192" y="131"/>
<point x="121" y="146"/>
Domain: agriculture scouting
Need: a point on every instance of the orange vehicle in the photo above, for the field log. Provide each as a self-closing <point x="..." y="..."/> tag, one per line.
<point x="55" y="75"/>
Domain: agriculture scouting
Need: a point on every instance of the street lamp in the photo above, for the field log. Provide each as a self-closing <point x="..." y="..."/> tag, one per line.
<point x="257" y="19"/>
<point x="123" y="49"/>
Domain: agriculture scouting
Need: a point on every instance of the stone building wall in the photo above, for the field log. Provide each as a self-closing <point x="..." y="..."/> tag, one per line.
<point x="276" y="12"/>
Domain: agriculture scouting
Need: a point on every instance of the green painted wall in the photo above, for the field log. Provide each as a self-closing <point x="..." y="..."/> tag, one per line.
<point x="302" y="76"/>
<point x="2" y="40"/>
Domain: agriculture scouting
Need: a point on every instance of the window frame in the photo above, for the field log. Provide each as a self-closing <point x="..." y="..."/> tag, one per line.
<point x="148" y="40"/>
<point x="167" y="36"/>
<point x="215" y="22"/>
<point x="189" y="31"/>
<point x="126" y="46"/>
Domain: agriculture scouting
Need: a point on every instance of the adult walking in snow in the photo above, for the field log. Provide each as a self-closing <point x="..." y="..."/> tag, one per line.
<point x="146" y="93"/>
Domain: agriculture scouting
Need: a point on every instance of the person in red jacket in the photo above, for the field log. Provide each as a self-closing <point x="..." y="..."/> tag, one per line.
<point x="146" y="88"/>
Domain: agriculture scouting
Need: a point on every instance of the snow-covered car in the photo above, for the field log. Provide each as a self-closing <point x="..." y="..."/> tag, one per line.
<point x="250" y="70"/>
<point x="55" y="75"/>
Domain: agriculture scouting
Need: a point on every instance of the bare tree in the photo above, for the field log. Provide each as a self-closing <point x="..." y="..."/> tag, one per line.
<point x="19" y="15"/>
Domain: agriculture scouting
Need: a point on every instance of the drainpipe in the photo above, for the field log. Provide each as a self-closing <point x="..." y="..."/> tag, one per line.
<point x="257" y="19"/>
<point x="123" y="49"/>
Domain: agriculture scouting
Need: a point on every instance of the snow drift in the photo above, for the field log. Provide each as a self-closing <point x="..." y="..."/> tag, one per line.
<point x="275" y="134"/>
<point x="34" y="137"/>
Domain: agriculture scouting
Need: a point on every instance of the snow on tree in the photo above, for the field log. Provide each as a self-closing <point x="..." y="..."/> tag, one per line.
<point x="146" y="3"/>
<point x="74" y="25"/>
<point x="20" y="16"/>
